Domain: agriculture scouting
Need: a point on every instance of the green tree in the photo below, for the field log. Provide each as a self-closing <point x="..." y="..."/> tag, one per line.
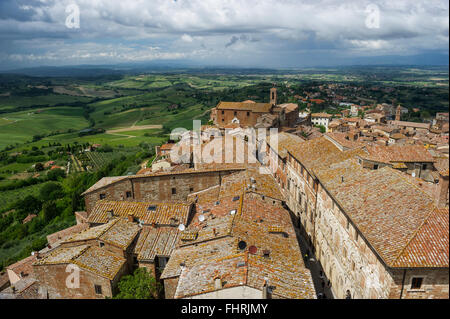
<point x="29" y="205"/>
<point x="139" y="285"/>
<point x="39" y="167"/>
<point x="50" y="210"/>
<point x="55" y="174"/>
<point x="51" y="191"/>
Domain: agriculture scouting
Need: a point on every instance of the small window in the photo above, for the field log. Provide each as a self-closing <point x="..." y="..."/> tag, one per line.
<point x="223" y="120"/>
<point x="248" y="113"/>
<point x="375" y="166"/>
<point x="174" y="191"/>
<point x="416" y="283"/>
<point x="102" y="196"/>
<point x="98" y="289"/>
<point x="223" y="112"/>
<point x="128" y="194"/>
<point x="191" y="189"/>
<point x="101" y="244"/>
<point x="424" y="166"/>
<point x="235" y="113"/>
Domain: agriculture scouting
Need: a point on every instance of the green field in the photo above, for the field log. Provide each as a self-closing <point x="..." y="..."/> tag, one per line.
<point x="20" y="127"/>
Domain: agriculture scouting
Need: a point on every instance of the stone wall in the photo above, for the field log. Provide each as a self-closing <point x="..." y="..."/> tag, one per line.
<point x="156" y="188"/>
<point x="55" y="276"/>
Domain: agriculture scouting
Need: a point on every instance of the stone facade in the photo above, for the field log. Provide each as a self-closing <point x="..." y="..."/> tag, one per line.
<point x="349" y="262"/>
<point x="55" y="276"/>
<point x="155" y="188"/>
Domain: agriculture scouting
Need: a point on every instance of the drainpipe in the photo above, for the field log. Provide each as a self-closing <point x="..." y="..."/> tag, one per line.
<point x="403" y="283"/>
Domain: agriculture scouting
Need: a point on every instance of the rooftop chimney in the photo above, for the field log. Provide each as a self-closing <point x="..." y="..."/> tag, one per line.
<point x="130" y="218"/>
<point x="441" y="192"/>
<point x="217" y="283"/>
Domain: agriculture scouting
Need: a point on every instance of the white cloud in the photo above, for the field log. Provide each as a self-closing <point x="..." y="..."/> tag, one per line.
<point x="184" y="28"/>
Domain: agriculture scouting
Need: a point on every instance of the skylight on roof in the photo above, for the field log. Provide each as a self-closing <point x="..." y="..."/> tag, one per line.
<point x="152" y="207"/>
<point x="236" y="198"/>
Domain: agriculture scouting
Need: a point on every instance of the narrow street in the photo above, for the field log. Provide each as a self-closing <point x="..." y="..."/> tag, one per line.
<point x="315" y="267"/>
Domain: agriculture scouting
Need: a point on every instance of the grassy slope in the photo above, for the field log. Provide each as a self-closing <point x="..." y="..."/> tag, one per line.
<point x="23" y="125"/>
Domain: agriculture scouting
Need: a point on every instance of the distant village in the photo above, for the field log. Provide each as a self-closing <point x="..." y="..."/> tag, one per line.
<point x="355" y="205"/>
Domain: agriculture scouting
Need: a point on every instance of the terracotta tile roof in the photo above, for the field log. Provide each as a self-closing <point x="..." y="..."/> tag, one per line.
<point x="90" y="233"/>
<point x="321" y="148"/>
<point x="93" y="259"/>
<point x="410" y="124"/>
<point x="24" y="266"/>
<point x="166" y="147"/>
<point x="65" y="233"/>
<point x="205" y="196"/>
<point x="441" y="165"/>
<point x="286" y="142"/>
<point x="156" y="242"/>
<point x="198" y="254"/>
<point x="321" y="115"/>
<point x="397" y="153"/>
<point x="341" y="139"/>
<point x="121" y="234"/>
<point x="289" y="107"/>
<point x="429" y="246"/>
<point x="264" y="184"/>
<point x="104" y="182"/>
<point x="200" y="278"/>
<point x="385" y="206"/>
<point x="147" y="212"/>
<point x="100" y="261"/>
<point x="62" y="255"/>
<point x="254" y="107"/>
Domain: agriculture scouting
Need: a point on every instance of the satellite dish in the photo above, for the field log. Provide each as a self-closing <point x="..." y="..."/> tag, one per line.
<point x="242" y="244"/>
<point x="233" y="212"/>
<point x="252" y="249"/>
<point x="201" y="218"/>
<point x="181" y="227"/>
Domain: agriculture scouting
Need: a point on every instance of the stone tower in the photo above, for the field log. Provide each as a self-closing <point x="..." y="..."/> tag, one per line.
<point x="398" y="113"/>
<point x="273" y="96"/>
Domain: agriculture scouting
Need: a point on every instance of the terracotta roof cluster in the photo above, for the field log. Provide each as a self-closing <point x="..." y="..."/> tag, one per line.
<point x="390" y="212"/>
<point x="234" y="241"/>
<point x="146" y="212"/>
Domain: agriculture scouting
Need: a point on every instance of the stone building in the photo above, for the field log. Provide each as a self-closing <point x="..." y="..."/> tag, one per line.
<point x="240" y="244"/>
<point x="252" y="114"/>
<point x="321" y="119"/>
<point x="375" y="234"/>
<point x="159" y="186"/>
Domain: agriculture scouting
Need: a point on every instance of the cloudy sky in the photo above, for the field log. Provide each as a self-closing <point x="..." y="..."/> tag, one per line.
<point x="267" y="33"/>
